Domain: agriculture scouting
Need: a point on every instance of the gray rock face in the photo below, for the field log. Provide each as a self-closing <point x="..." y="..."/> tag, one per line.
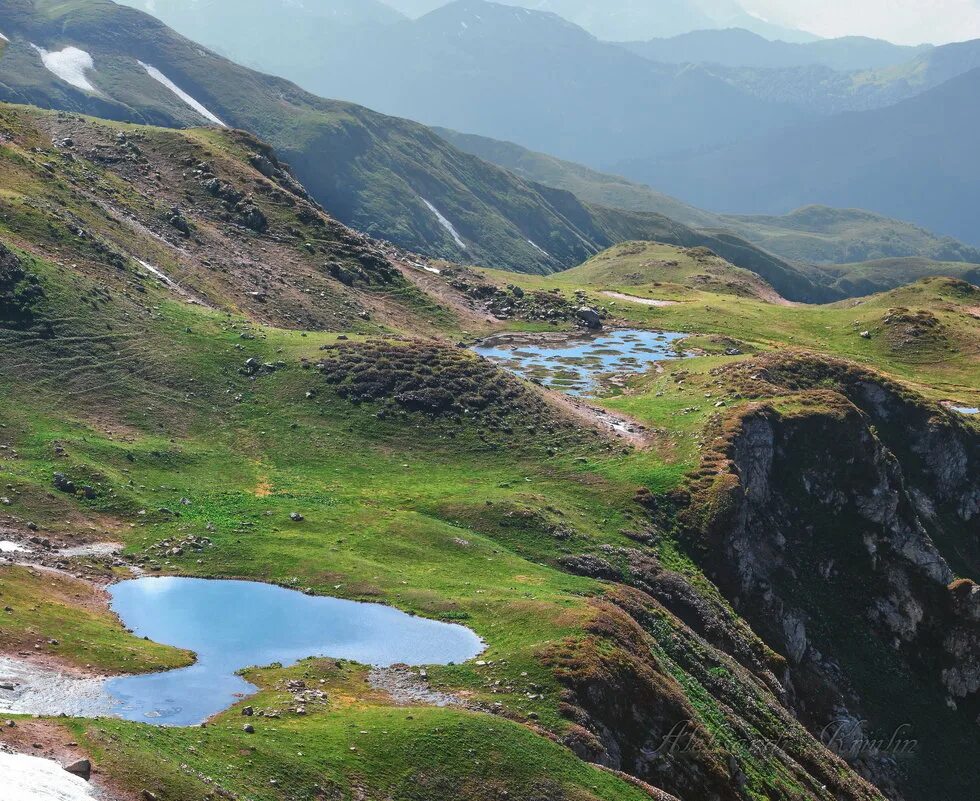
<point x="842" y="513"/>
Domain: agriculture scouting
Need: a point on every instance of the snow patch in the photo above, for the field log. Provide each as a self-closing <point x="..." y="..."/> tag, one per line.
<point x="433" y="270"/>
<point x="70" y="65"/>
<point x="3" y="38"/>
<point x="445" y="224"/>
<point x="158" y="76"/>
<point x="538" y="248"/>
<point x="11" y="547"/>
<point x="29" y="778"/>
<point x="160" y="274"/>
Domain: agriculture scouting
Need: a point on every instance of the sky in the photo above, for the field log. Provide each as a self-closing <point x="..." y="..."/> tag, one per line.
<point x="900" y="21"/>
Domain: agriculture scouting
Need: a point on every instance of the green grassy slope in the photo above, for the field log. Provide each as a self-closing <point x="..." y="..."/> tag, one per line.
<point x="427" y="479"/>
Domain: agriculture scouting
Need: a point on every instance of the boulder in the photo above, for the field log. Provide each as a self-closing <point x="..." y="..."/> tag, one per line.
<point x="81" y="768"/>
<point x="589" y="317"/>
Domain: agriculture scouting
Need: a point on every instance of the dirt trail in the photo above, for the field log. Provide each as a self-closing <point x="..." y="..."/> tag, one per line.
<point x="639" y="300"/>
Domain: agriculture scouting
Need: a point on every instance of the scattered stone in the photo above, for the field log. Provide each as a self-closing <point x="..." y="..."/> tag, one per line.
<point x="296" y="517"/>
<point x="63" y="484"/>
<point x="248" y="728"/>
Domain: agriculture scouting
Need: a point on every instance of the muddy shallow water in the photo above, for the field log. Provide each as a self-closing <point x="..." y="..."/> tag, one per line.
<point x="230" y="625"/>
<point x="577" y="363"/>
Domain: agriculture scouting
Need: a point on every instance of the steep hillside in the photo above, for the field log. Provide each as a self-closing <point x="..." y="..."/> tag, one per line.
<point x="914" y="161"/>
<point x="811" y="547"/>
<point x="201" y="215"/>
<point x="388" y="177"/>
<point x="736" y="47"/>
<point x="813" y="234"/>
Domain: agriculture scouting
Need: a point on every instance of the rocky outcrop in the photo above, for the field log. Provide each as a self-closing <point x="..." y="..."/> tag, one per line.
<point x="646" y="695"/>
<point x="833" y="519"/>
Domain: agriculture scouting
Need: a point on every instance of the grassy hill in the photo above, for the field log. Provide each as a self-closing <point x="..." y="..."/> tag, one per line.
<point x="868" y="277"/>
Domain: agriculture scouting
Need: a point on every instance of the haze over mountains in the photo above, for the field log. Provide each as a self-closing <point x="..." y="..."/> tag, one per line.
<point x="738" y="47"/>
<point x="662" y="112"/>
<point x="626" y="19"/>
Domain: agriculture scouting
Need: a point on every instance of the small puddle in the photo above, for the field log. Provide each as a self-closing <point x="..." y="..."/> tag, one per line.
<point x="577" y="363"/>
<point x="965" y="409"/>
<point x="231" y="625"/>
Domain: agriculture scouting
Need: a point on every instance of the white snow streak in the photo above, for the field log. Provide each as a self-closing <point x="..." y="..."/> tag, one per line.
<point x="539" y="248"/>
<point x="159" y="274"/>
<point x="28" y="778"/>
<point x="3" y="38"/>
<point x="70" y="65"/>
<point x="158" y="76"/>
<point x="445" y="224"/>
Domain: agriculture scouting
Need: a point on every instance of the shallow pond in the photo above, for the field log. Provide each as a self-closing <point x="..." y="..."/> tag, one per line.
<point x="965" y="409"/>
<point x="576" y="363"/>
<point x="232" y="625"/>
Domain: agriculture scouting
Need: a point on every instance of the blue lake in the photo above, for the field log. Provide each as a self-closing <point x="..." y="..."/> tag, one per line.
<point x="232" y="625"/>
<point x="577" y="363"/>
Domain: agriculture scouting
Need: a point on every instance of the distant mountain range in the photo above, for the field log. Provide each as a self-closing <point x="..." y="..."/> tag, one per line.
<point x="728" y="137"/>
<point x="915" y="160"/>
<point x="737" y="47"/>
<point x="615" y="20"/>
<point x="530" y="77"/>
<point x="400" y="181"/>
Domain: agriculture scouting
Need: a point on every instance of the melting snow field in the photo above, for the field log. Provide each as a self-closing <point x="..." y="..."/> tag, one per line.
<point x="158" y="76"/>
<point x="446" y="224"/>
<point x="28" y="778"/>
<point x="70" y="65"/>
